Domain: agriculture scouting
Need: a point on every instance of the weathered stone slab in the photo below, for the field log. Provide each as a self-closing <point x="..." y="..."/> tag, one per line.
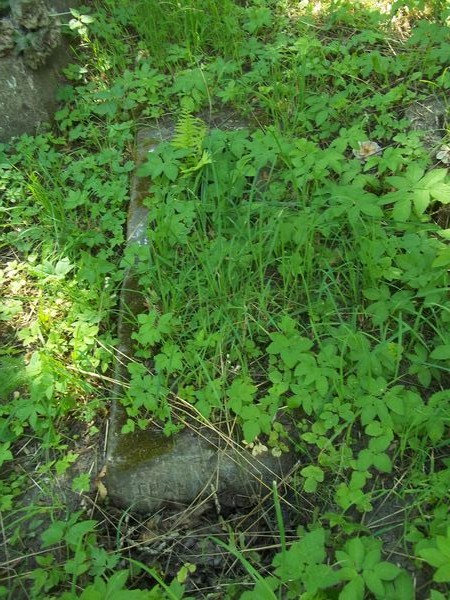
<point x="146" y="470"/>
<point x="428" y="117"/>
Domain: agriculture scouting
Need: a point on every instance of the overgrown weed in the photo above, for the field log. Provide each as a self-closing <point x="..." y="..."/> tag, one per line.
<point x="290" y="273"/>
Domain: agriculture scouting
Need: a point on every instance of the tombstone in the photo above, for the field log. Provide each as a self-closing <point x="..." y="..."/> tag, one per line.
<point x="145" y="470"/>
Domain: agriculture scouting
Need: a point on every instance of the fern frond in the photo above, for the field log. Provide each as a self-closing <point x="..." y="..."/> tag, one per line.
<point x="189" y="133"/>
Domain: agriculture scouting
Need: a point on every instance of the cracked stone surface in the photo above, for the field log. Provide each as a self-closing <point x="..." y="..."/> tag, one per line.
<point x="146" y="470"/>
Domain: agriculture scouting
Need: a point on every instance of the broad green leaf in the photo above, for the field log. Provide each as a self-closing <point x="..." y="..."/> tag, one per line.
<point x="354" y="590"/>
<point x="382" y="462"/>
<point x="441" y="192"/>
<point x="444" y="233"/>
<point x="356" y="551"/>
<point x="421" y="199"/>
<point x="387" y="571"/>
<point x="442" y="575"/>
<point x="364" y="460"/>
<point x="117" y="581"/>
<point x="414" y="173"/>
<point x="76" y="532"/>
<point x="371" y="210"/>
<point x="435" y="595"/>
<point x="171" y="171"/>
<point x="432" y="178"/>
<point x="374" y="583"/>
<point x="53" y="534"/>
<point x="443" y="544"/>
<point x="319" y="576"/>
<point x="443" y="260"/>
<point x="312" y="547"/>
<point x="5" y="453"/>
<point x="381" y="443"/>
<point x="374" y="429"/>
<point x="399" y="183"/>
<point x="435" y="430"/>
<point x="372" y="558"/>
<point x="251" y="430"/>
<point x="441" y="352"/>
<point x="433" y="557"/>
<point x="402" y="210"/>
<point x="78" y="564"/>
<point x="395" y="403"/>
<point x="313" y="472"/>
<point x="310" y="486"/>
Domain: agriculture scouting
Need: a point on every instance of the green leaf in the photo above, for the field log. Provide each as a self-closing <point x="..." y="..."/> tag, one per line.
<point x="374" y="583"/>
<point x="441" y="192"/>
<point x="380" y="444"/>
<point x="443" y="543"/>
<point x="414" y="174"/>
<point x="443" y="259"/>
<point x="374" y="429"/>
<point x="171" y="171"/>
<point x="441" y="352"/>
<point x="313" y="472"/>
<point x="78" y="530"/>
<point x="81" y="483"/>
<point x="78" y="564"/>
<point x="5" y="453"/>
<point x="170" y="359"/>
<point x="433" y="557"/>
<point x="53" y="534"/>
<point x="117" y="582"/>
<point x="251" y="430"/>
<point x="152" y="168"/>
<point x="354" y="590"/>
<point x="356" y="551"/>
<point x="402" y="210"/>
<point x="442" y="575"/>
<point x="435" y="429"/>
<point x="387" y="571"/>
<point x="371" y="210"/>
<point x="372" y="558"/>
<point x="318" y="577"/>
<point x="421" y="200"/>
<point x="310" y="486"/>
<point x="398" y="183"/>
<point x="432" y="178"/>
<point x="383" y="463"/>
<point x="395" y="403"/>
<point x="364" y="460"/>
<point x="435" y="595"/>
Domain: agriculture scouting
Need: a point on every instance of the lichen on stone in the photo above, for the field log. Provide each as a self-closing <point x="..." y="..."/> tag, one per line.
<point x="30" y="14"/>
<point x="29" y="32"/>
<point x="6" y="36"/>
